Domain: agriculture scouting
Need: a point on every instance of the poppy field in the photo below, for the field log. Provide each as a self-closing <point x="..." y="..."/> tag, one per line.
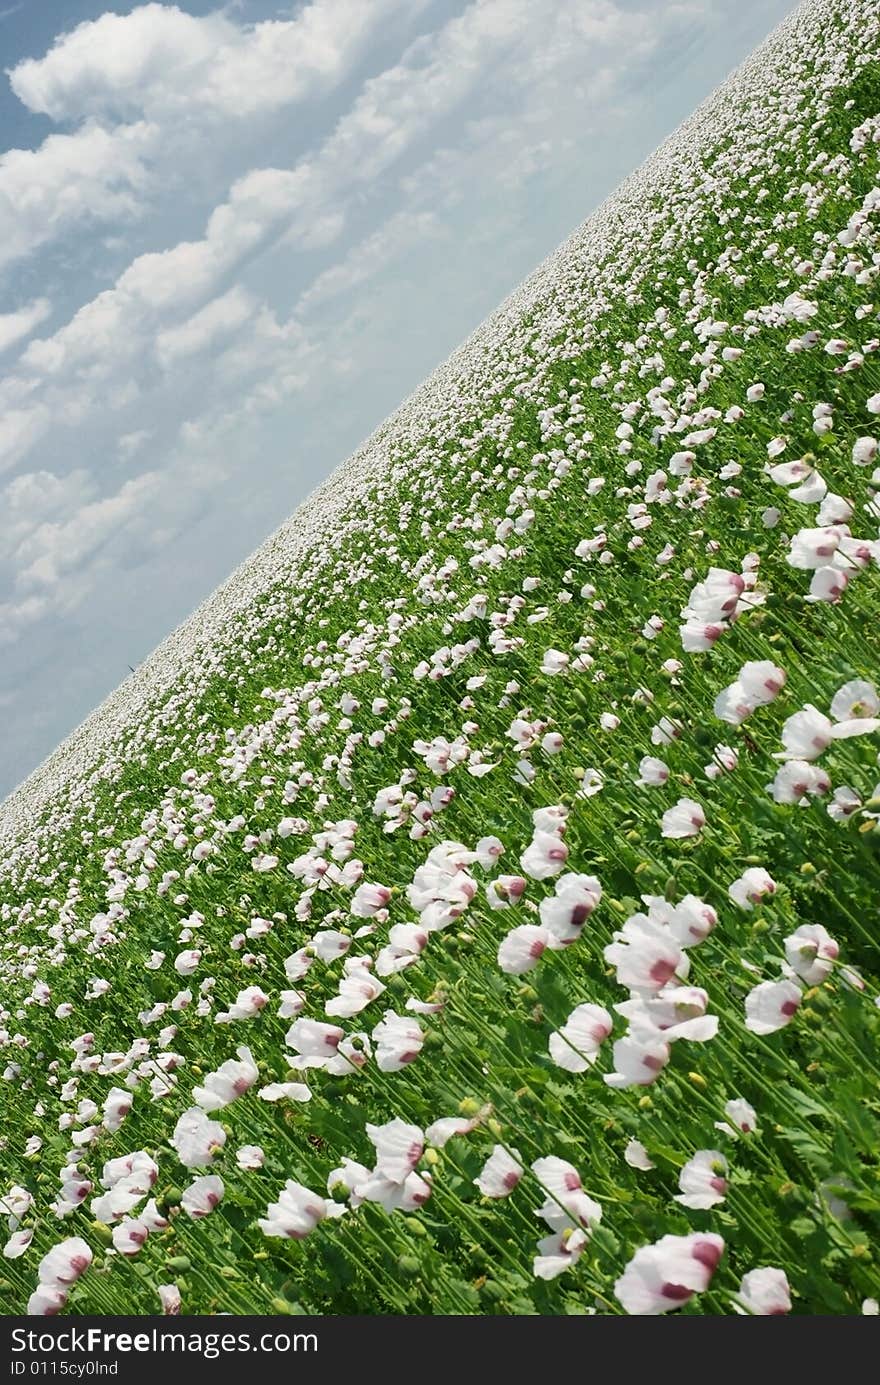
<point x="473" y="909"/>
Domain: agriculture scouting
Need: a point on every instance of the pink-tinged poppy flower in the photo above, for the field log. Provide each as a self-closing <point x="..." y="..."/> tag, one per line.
<point x="652" y="772"/>
<point x="676" y="1012"/>
<point x="356" y="991"/>
<point x="554" y="662"/>
<point x="406" y="942"/>
<point x="232" y="1079"/>
<point x="855" y="699"/>
<point x="246" y="1005"/>
<point x="685" y="819"/>
<point x="398" y="1146"/>
<point x="725" y="760"/>
<point x="407" y="1196"/>
<point x="138" y="1167"/>
<point x="771" y="1006"/>
<point x="638" y="1060"/>
<point x="828" y="584"/>
<point x="368" y="899"/>
<point x="566" y="1204"/>
<point x="692" y="920"/>
<point x="645" y="953"/>
<point x="17" y="1244"/>
<point x="733" y="705"/>
<point x="761" y="681"/>
<point x="297" y="964"/>
<point x="703" y="1180"/>
<point x="666" y="732"/>
<point x="501" y="1172"/>
<point x="187" y="962"/>
<point x="811" y="953"/>
<point x="662" y="1277"/>
<point x="296" y="1213"/>
<point x="347" y="1179"/>
<point x="250" y="1157"/>
<point x="752" y="886"/>
<point x="797" y="781"/>
<point x="197" y="1139"/>
<point x="314" y="1043"/>
<point x="864" y="452"/>
<point x="806" y="734"/>
<point x="203" y="1195"/>
<point x="697" y="638"/>
<point x="576" y="1045"/>
<point x="285" y="1091"/>
<point x="742" y="1118"/>
<point x="15" y="1204"/>
<point x="63" y="1264"/>
<point x="398" y="1039"/>
<point x="558" y="1253"/>
<point x="545" y="856"/>
<point x="765" y="1292"/>
<point x="46" y="1301"/>
<point x="152" y="1217"/>
<point x="130" y="1236"/>
<point x="440" y="1132"/>
<point x="505" y="891"/>
<point x="328" y="944"/>
<point x="489" y="851"/>
<point x="292" y="1004"/>
<point x="169" y="1297"/>
<point x="716" y="599"/>
<point x="814" y="548"/>
<point x="565" y="913"/>
<point x="523" y="948"/>
<point x="637" y="1156"/>
<point x="117" y="1105"/>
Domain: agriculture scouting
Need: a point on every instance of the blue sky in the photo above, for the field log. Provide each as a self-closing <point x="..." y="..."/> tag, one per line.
<point x="233" y="240"/>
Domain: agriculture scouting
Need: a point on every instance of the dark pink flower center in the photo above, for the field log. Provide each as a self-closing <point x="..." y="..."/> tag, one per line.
<point x="677" y="1292"/>
<point x="707" y="1253"/>
<point x="661" y="971"/>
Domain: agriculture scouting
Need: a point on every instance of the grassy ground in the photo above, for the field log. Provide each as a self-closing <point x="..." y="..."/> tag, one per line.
<point x="376" y="685"/>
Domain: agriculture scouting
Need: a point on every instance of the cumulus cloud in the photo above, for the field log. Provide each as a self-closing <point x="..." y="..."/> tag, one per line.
<point x="186" y="74"/>
<point x="34" y="498"/>
<point x="56" y="547"/>
<point x="156" y="285"/>
<point x="18" y="324"/>
<point x="92" y="175"/>
<point x="19" y="429"/>
<point x="217" y="321"/>
<point x="370" y="255"/>
<point x="158" y="59"/>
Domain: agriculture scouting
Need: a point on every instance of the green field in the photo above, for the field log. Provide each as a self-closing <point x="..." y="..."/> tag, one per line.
<point x="560" y="693"/>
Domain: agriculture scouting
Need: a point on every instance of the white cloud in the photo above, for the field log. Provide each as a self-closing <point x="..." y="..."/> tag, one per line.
<point x="111" y="327"/>
<point x="92" y="175"/>
<point x="131" y="443"/>
<point x="14" y="326"/>
<point x="19" y="429"/>
<point x="16" y="616"/>
<point x="372" y="254"/>
<point x="57" y="547"/>
<point x="160" y="60"/>
<point x="29" y="500"/>
<point x="219" y="319"/>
